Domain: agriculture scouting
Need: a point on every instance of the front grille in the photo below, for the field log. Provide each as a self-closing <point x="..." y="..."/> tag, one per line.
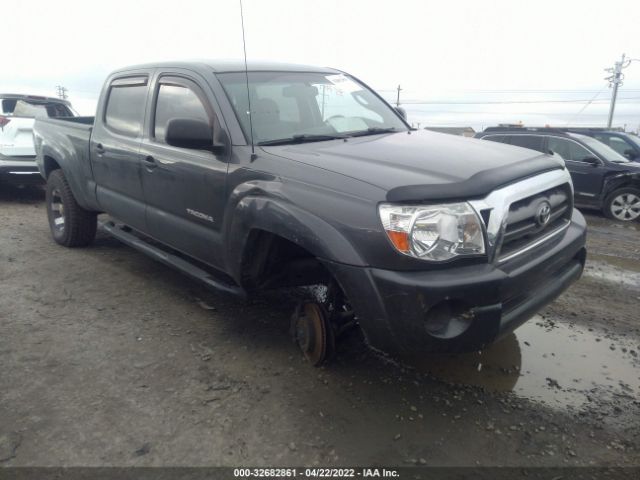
<point x="526" y="225"/>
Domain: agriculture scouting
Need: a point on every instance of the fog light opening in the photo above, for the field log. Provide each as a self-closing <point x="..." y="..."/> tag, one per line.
<point x="448" y="319"/>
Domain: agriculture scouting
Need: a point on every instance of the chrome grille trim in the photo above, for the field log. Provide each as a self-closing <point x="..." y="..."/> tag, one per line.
<point x="535" y="243"/>
<point x="496" y="206"/>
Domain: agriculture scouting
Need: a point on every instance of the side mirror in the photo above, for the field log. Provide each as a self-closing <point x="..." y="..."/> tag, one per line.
<point x="191" y="133"/>
<point x="592" y="160"/>
<point x="401" y="111"/>
<point x="630" y="154"/>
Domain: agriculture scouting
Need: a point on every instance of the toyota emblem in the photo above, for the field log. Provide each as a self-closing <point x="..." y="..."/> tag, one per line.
<point x="543" y="214"/>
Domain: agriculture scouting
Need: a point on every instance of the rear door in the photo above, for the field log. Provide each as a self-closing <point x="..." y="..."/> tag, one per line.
<point x="115" y="148"/>
<point x="184" y="188"/>
<point x="587" y="176"/>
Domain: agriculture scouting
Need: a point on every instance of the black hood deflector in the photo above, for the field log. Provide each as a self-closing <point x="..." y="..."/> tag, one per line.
<point x="478" y="185"/>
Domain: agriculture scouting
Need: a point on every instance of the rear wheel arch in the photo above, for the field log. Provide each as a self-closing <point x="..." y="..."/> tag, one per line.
<point x="70" y="224"/>
<point x="50" y="164"/>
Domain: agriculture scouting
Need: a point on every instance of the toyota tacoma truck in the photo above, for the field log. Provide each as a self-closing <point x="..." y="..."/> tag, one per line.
<point x="296" y="176"/>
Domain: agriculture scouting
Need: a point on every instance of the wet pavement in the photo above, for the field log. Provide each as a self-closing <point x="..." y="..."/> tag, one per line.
<point x="560" y="365"/>
<point x="109" y="358"/>
<point x="615" y="270"/>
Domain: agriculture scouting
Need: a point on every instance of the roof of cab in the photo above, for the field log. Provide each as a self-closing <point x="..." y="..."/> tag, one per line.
<point x="234" y="65"/>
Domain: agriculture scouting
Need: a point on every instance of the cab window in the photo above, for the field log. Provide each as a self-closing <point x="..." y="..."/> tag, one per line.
<point x="176" y="101"/>
<point x="568" y="149"/>
<point x="125" y="106"/>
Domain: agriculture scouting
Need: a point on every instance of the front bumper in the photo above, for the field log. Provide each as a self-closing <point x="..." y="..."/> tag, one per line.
<point x="19" y="169"/>
<point x="461" y="308"/>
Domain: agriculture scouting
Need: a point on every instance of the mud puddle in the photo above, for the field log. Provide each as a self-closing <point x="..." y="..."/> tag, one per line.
<point x="561" y="365"/>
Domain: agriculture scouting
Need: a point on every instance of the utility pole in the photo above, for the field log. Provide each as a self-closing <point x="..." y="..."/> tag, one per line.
<point x="61" y="91"/>
<point x="398" y="97"/>
<point x="615" y="80"/>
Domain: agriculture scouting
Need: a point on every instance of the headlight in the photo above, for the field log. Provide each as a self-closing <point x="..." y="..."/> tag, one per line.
<point x="434" y="232"/>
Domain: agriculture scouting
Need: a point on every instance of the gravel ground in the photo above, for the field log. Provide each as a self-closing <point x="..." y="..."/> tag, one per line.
<point x="109" y="358"/>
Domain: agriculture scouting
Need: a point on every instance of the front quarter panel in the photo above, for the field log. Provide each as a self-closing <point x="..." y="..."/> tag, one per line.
<point x="292" y="210"/>
<point x="621" y="180"/>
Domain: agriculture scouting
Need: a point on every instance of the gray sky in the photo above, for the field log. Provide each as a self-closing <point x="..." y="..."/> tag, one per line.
<point x="462" y="51"/>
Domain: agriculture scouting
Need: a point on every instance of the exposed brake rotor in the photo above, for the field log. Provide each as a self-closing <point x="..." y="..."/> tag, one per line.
<point x="313" y="333"/>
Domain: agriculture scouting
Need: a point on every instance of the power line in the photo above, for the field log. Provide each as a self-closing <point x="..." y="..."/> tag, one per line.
<point x="523" y="112"/>
<point x="498" y="91"/>
<point x="586" y="105"/>
<point x="503" y="102"/>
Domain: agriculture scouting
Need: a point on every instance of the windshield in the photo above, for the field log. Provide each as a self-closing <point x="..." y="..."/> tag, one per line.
<point x="307" y="106"/>
<point x="633" y="139"/>
<point x="603" y="150"/>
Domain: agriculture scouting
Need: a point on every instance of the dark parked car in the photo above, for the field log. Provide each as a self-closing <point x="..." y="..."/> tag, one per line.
<point x="427" y="241"/>
<point x="624" y="143"/>
<point x="602" y="178"/>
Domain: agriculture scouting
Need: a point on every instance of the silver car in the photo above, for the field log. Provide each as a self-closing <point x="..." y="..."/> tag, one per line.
<point x="17" y="116"/>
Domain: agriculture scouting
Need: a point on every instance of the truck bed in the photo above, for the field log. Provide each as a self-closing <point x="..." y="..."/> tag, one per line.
<point x="81" y="122"/>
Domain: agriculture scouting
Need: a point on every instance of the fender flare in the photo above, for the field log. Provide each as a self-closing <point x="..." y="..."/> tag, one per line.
<point x="286" y="220"/>
<point x="79" y="189"/>
<point x="620" y="180"/>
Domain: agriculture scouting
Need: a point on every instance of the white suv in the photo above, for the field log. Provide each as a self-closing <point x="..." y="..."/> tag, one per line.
<point x="17" y="115"/>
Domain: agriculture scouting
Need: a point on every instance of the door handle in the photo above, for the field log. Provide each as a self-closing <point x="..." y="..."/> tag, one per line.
<point x="100" y="149"/>
<point x="150" y="162"/>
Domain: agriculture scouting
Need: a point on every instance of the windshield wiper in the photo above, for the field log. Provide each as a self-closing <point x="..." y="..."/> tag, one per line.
<point x="373" y="131"/>
<point x="301" y="139"/>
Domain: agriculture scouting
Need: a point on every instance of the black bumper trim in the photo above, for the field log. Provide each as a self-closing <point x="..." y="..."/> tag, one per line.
<point x="392" y="306"/>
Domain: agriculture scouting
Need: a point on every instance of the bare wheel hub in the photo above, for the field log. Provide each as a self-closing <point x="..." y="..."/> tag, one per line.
<point x="312" y="332"/>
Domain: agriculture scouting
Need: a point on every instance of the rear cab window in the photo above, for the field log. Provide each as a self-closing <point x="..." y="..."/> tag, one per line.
<point x="124" y="112"/>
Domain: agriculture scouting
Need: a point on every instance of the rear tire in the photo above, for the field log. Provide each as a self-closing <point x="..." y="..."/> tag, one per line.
<point x="623" y="205"/>
<point x="70" y="224"/>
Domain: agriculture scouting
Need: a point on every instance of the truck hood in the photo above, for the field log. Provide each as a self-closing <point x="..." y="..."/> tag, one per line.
<point x="423" y="165"/>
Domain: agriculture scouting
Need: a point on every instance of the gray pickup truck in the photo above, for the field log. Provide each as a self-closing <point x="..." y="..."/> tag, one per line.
<point x="289" y="175"/>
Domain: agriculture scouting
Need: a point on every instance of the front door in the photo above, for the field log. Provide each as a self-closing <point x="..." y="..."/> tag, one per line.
<point x="184" y="188"/>
<point x="586" y="169"/>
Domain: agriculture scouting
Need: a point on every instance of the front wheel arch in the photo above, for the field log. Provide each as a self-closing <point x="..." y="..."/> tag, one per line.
<point x="285" y="220"/>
